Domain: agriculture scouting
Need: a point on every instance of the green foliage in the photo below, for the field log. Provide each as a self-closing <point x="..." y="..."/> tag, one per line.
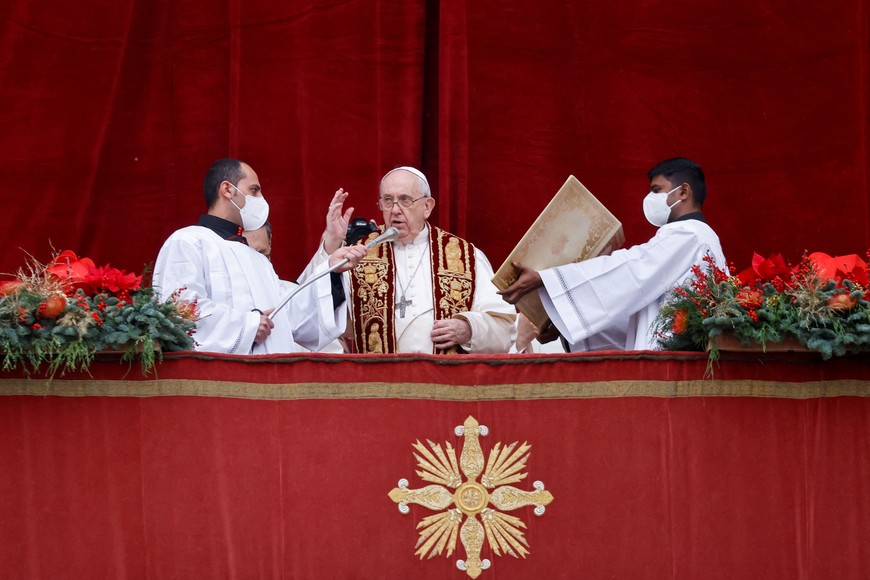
<point x="141" y="327"/>
<point x="828" y="315"/>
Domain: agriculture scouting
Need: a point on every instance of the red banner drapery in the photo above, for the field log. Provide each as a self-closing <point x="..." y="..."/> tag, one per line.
<point x="280" y="466"/>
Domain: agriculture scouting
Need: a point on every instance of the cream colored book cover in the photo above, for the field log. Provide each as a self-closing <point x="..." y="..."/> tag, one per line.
<point x="574" y="226"/>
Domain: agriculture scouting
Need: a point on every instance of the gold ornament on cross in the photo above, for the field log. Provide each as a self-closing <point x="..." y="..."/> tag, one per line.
<point x="471" y="499"/>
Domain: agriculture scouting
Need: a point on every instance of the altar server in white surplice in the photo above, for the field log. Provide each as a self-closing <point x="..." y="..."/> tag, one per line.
<point x="234" y="285"/>
<point x="610" y="302"/>
<point x="430" y="291"/>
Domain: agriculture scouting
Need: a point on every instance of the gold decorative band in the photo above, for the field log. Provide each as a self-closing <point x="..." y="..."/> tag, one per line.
<point x="436" y="392"/>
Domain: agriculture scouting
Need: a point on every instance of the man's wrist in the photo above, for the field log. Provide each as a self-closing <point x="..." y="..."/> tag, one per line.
<point x="467" y="345"/>
<point x="332" y="244"/>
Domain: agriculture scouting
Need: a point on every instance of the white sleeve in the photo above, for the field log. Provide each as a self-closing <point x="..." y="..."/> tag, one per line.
<point x="315" y="321"/>
<point x="492" y="320"/>
<point x="183" y="266"/>
<point x="319" y="257"/>
<point x="585" y="298"/>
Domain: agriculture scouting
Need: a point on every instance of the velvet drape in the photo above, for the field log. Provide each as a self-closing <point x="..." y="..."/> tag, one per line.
<point x="110" y="111"/>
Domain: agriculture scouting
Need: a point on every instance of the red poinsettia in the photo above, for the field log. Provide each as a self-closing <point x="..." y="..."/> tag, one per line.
<point x="839" y="268"/>
<point x="69" y="269"/>
<point x="81" y="273"/>
<point x="764" y="270"/>
<point x="109" y="280"/>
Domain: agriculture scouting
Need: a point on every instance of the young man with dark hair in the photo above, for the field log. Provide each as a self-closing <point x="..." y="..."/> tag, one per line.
<point x="235" y="286"/>
<point x="682" y="170"/>
<point x="610" y="302"/>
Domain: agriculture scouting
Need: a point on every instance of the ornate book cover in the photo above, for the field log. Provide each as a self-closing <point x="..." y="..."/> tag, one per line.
<point x="574" y="226"/>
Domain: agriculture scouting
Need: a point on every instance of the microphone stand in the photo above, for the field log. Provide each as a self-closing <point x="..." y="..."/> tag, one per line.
<point x="389" y="235"/>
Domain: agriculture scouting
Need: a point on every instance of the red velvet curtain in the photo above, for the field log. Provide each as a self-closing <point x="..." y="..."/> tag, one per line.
<point x="111" y="110"/>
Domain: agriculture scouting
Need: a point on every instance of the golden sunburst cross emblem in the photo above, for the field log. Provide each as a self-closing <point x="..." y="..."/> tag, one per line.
<point x="471" y="498"/>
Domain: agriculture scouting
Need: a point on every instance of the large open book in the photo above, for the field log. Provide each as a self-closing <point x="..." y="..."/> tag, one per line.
<point x="574" y="226"/>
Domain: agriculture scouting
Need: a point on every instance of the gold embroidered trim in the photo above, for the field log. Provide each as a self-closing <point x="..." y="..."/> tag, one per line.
<point x="435" y="392"/>
<point x="373" y="297"/>
<point x="373" y="290"/>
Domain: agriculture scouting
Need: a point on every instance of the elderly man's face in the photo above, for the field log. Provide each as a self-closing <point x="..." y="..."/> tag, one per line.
<point x="409" y="221"/>
<point x="259" y="240"/>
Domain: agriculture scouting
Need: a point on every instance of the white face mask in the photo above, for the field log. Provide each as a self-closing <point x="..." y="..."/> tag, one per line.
<point x="256" y="210"/>
<point x="656" y="208"/>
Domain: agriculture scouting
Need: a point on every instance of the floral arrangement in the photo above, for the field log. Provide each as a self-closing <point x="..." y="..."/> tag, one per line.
<point x="823" y="303"/>
<point x="62" y="313"/>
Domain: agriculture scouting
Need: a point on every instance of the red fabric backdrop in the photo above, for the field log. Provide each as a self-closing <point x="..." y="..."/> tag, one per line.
<point x="154" y="478"/>
<point x="111" y="110"/>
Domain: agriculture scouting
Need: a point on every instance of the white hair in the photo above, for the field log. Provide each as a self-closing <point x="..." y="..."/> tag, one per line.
<point x="424" y="183"/>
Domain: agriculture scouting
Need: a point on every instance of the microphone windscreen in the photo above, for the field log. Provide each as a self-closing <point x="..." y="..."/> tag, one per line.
<point x="390" y="234"/>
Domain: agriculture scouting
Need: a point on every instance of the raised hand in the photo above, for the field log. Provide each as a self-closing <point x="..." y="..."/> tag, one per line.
<point x="337" y="219"/>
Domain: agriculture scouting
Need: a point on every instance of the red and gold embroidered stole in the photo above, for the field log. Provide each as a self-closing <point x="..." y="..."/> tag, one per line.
<point x="373" y="289"/>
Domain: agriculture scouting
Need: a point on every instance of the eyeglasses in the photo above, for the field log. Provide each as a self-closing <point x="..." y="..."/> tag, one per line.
<point x="405" y="202"/>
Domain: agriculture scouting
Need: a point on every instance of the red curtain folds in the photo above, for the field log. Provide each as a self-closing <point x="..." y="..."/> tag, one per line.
<point x="110" y="112"/>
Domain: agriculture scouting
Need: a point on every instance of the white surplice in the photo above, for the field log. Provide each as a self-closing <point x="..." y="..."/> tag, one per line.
<point x="229" y="280"/>
<point x="610" y="302"/>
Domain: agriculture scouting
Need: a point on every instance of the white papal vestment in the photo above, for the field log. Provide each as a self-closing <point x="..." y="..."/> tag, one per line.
<point x="492" y="320"/>
<point x="611" y="302"/>
<point x="229" y="280"/>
